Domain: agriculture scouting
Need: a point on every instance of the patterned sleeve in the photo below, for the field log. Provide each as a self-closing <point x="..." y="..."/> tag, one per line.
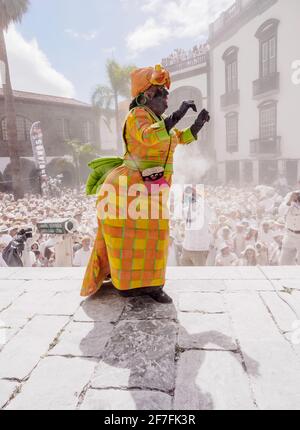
<point x="185" y="137"/>
<point x="141" y="126"/>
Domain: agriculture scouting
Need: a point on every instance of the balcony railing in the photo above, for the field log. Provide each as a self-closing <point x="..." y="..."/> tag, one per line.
<point x="233" y="14"/>
<point x="191" y="62"/>
<point x="266" y="147"/>
<point x="230" y="99"/>
<point x="267" y="84"/>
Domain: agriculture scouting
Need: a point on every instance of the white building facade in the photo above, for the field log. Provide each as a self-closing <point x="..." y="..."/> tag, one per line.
<point x="255" y="91"/>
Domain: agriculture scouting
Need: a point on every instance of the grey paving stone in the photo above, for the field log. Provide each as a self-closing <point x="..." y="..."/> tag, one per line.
<point x="46" y="273"/>
<point x="22" y="353"/>
<point x="7" y="285"/>
<point x="282" y="272"/>
<point x="55" y="384"/>
<point x="62" y="303"/>
<point x="198" y="331"/>
<point x="273" y="366"/>
<point x="6" y="334"/>
<point x="210" y="380"/>
<point x="7" y="388"/>
<point x="28" y="304"/>
<point x="201" y="302"/>
<point x="8" y="297"/>
<point x="132" y="400"/>
<point x="145" y="308"/>
<point x="283" y="310"/>
<point x="209" y="273"/>
<point x="140" y="354"/>
<point x="56" y="285"/>
<point x="6" y="272"/>
<point x="202" y="285"/>
<point x="291" y="284"/>
<point x="101" y="307"/>
<point x="248" y="285"/>
<point x="83" y="339"/>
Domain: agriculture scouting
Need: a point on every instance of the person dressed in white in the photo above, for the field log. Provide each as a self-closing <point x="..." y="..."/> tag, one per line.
<point x="290" y="208"/>
<point x="239" y="240"/>
<point x="82" y="256"/>
<point x="226" y="257"/>
<point x="2" y="248"/>
<point x="265" y="235"/>
<point x="197" y="239"/>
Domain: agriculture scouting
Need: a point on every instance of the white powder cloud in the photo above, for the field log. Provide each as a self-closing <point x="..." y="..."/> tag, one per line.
<point x="31" y="70"/>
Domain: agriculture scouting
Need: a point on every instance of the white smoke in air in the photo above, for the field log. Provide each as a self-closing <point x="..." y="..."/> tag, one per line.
<point x="189" y="165"/>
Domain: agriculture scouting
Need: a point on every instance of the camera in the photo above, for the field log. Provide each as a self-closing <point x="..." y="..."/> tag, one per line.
<point x="20" y="239"/>
<point x="13" y="252"/>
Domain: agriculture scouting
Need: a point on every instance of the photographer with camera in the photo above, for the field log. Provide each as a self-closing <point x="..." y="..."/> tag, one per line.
<point x="290" y="209"/>
<point x="18" y="252"/>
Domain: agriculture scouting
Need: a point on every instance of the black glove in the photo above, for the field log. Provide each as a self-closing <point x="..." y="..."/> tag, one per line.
<point x="173" y="119"/>
<point x="203" y="117"/>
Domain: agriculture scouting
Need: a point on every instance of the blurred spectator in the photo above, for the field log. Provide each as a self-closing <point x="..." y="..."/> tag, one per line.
<point x="82" y="256"/>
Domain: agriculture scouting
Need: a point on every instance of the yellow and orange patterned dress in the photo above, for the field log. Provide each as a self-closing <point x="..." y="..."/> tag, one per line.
<point x="135" y="251"/>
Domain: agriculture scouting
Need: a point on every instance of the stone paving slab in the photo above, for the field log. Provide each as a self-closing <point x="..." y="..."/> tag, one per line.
<point x="56" y="285"/>
<point x="83" y="340"/>
<point x="7" y="388"/>
<point x="281" y="272"/>
<point x="197" y="285"/>
<point x="140" y="354"/>
<point x="227" y="342"/>
<point x="210" y="273"/>
<point x="205" y="303"/>
<point x="198" y="331"/>
<point x="273" y="366"/>
<point x="283" y="315"/>
<point x="144" y="308"/>
<point x="19" y="356"/>
<point x="56" y="384"/>
<point x="248" y="285"/>
<point x="45" y="273"/>
<point x="6" y="272"/>
<point x="204" y="376"/>
<point x="130" y="400"/>
<point x="100" y="308"/>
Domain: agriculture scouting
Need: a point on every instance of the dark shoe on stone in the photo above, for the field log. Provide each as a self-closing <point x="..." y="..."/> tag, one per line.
<point x="160" y="296"/>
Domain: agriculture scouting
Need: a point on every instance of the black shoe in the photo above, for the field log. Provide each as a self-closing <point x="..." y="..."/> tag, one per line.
<point x="160" y="296"/>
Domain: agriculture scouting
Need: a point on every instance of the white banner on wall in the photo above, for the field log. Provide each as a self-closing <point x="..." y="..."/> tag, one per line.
<point x="36" y="137"/>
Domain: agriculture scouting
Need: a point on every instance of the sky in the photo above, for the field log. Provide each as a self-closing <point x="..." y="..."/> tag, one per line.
<point x="61" y="46"/>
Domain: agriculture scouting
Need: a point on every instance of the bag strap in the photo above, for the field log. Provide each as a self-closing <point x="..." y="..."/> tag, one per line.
<point x="126" y="144"/>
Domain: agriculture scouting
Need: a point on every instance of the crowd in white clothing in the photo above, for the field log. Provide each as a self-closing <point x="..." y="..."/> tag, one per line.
<point x="243" y="227"/>
<point x="181" y="55"/>
<point x="238" y="226"/>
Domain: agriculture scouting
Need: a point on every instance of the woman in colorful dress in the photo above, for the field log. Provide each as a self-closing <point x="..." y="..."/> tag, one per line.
<point x="132" y="250"/>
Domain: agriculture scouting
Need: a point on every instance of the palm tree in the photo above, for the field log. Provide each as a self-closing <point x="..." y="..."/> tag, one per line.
<point x="119" y="78"/>
<point x="79" y="150"/>
<point x="102" y="98"/>
<point x="11" y="11"/>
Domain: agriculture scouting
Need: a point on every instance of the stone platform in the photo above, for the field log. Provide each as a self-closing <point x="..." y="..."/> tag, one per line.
<point x="231" y="340"/>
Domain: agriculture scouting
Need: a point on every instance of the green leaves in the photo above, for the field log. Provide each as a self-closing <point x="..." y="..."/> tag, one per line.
<point x="12" y="11"/>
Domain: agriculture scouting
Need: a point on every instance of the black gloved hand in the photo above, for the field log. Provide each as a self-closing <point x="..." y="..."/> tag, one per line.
<point x="203" y="117"/>
<point x="173" y="119"/>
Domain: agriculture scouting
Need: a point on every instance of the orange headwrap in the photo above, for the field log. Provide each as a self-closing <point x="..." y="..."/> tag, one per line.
<point x="142" y="79"/>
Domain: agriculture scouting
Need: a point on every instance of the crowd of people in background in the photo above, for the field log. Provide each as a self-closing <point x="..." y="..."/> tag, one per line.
<point x="239" y="226"/>
<point x="181" y="55"/>
<point x="28" y="212"/>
